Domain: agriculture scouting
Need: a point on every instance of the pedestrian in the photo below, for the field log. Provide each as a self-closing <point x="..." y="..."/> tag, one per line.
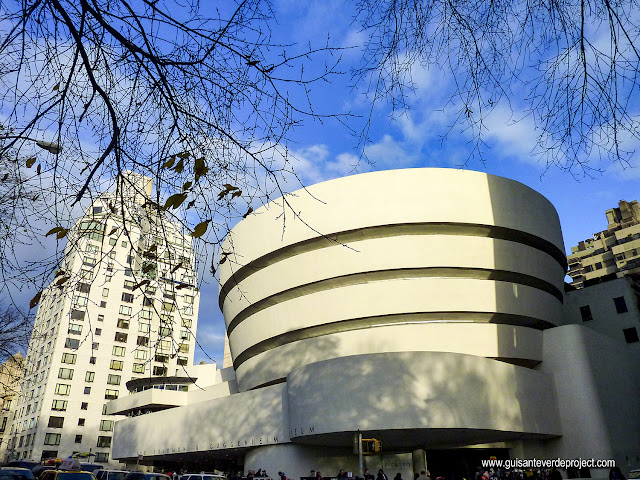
<point x="381" y="475"/>
<point x="368" y="475"/>
<point x="398" y="476"/>
<point x="318" y="475"/>
<point x="423" y="475"/>
<point x="616" y="474"/>
<point x="342" y="473"/>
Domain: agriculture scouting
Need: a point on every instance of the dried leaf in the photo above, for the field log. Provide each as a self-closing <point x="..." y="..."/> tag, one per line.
<point x="55" y="89"/>
<point x="38" y="170"/>
<point x="34" y="301"/>
<point x="4" y="178"/>
<point x="248" y="212"/>
<point x="237" y="193"/>
<point x="31" y="161"/>
<point x="62" y="280"/>
<point x="179" y="166"/>
<point x="229" y="187"/>
<point x="169" y="163"/>
<point x="175" y="200"/>
<point x="173" y="270"/>
<point x="187" y="186"/>
<point x="144" y="282"/>
<point x="200" y="229"/>
<point x="60" y="232"/>
<point x="113" y="230"/>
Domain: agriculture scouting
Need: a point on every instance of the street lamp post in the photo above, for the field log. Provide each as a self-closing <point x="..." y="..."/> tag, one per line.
<point x="51" y="147"/>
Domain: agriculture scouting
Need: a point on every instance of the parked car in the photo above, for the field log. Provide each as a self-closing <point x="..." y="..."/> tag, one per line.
<point x="146" y="476"/>
<point x="24" y="463"/>
<point x="15" y="473"/>
<point x="38" y="469"/>
<point x="91" y="467"/>
<point x="202" y="476"/>
<point x="66" y="475"/>
<point x="110" y="474"/>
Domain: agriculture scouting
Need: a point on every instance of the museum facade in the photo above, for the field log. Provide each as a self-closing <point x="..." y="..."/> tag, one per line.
<point x="421" y="307"/>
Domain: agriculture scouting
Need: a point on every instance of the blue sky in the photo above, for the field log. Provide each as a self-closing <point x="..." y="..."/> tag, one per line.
<point x="415" y="139"/>
<point x="419" y="137"/>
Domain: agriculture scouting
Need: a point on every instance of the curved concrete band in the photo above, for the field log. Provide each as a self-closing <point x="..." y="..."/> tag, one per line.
<point x="386" y="261"/>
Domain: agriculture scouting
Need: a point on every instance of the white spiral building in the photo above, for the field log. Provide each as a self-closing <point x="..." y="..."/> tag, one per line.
<point x="413" y="306"/>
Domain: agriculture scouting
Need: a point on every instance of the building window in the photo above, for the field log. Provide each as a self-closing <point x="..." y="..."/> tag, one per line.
<point x="75" y="329"/>
<point x="162" y="358"/>
<point x="112" y="241"/>
<point x="63" y="389"/>
<point x="120" y="337"/>
<point x="113" y="379"/>
<point x="56" y="422"/>
<point x="147" y="302"/>
<point x="106" y="425"/>
<point x="188" y="299"/>
<point x="585" y="313"/>
<point x="165" y="332"/>
<point x="184" y="348"/>
<point x="128" y="272"/>
<point x="185" y="335"/>
<point x="188" y="310"/>
<point x="110" y="394"/>
<point x="138" y="368"/>
<point x="98" y="331"/>
<point x="84" y="406"/>
<point x="89" y="376"/>
<point x="168" y="306"/>
<point x="77" y="314"/>
<point x="83" y="287"/>
<point x="125" y="310"/>
<point x="160" y="371"/>
<point x="118" y="351"/>
<point x="78" y="439"/>
<point x="105" y="292"/>
<point x="182" y="361"/>
<point x="127" y="297"/>
<point x="65" y="373"/>
<point x="87" y="390"/>
<point x="72" y="343"/>
<point x="59" y="405"/>
<point x="621" y="305"/>
<point x="146" y="314"/>
<point x="630" y="335"/>
<point x="186" y="322"/>
<point x="116" y="365"/>
<point x="47" y="454"/>
<point x="52" y="439"/>
<point x="102" y="457"/>
<point x="143" y="341"/>
<point x="140" y="354"/>
<point x="101" y="318"/>
<point x="81" y="422"/>
<point x="144" y="327"/>
<point x="92" y="360"/>
<point x="103" y="304"/>
<point x="95" y="346"/>
<point x="123" y="323"/>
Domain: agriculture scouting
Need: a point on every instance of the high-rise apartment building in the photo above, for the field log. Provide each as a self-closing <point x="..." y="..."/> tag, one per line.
<point x="611" y="253"/>
<point x="122" y="306"/>
<point x="10" y="376"/>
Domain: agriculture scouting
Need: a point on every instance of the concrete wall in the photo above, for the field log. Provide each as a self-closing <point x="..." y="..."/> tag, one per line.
<point x="597" y="381"/>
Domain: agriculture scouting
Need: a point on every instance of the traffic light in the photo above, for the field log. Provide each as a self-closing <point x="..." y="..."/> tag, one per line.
<point x="371" y="446"/>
